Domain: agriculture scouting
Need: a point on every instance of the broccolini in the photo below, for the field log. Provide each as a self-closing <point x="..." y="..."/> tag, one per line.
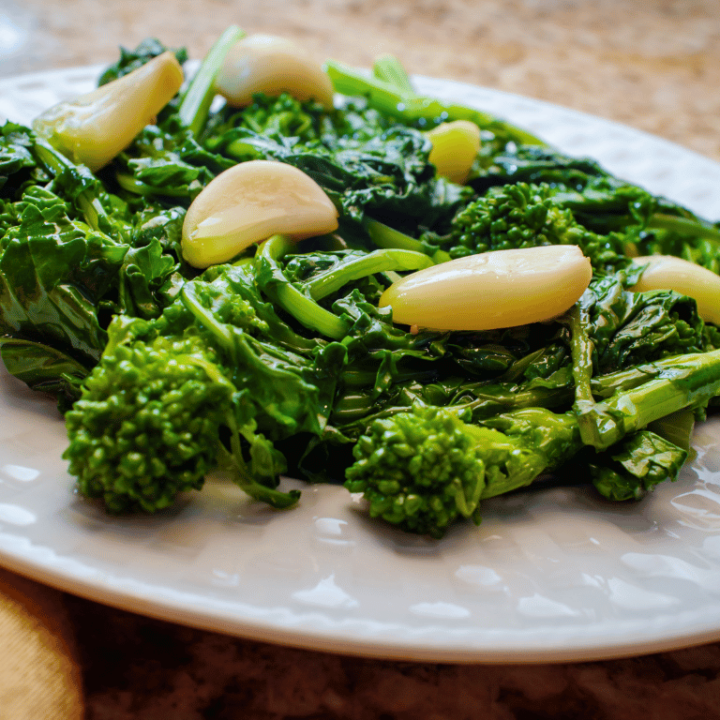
<point x="425" y="468"/>
<point x="149" y="424"/>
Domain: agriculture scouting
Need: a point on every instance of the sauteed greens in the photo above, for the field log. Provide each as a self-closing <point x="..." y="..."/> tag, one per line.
<point x="283" y="360"/>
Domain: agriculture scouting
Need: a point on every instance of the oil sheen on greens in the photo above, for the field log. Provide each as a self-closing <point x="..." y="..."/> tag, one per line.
<point x="281" y="362"/>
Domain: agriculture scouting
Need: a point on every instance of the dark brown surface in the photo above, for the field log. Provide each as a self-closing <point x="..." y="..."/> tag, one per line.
<point x="139" y="668"/>
<point x="654" y="65"/>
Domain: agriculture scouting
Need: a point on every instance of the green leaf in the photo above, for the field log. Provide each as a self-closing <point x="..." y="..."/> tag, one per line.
<point x="634" y="467"/>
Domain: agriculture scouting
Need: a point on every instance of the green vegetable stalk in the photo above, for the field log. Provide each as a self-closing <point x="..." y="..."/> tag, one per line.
<point x="425" y="468"/>
<point x="197" y="98"/>
<point x="393" y="98"/>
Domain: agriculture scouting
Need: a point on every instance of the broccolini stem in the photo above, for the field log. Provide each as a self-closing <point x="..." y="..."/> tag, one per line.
<point x="386" y="237"/>
<point x="684" y="226"/>
<point x="385" y="97"/>
<point x="494" y="399"/>
<point x="582" y="370"/>
<point x="632" y="410"/>
<point x="489" y="401"/>
<point x="581" y="349"/>
<point x="390" y="70"/>
<point x="331" y="281"/>
<point x="303" y="308"/>
<point x="553" y="438"/>
<point x="605" y="386"/>
<point x="197" y="98"/>
<point x="677" y="428"/>
<point x="380" y="94"/>
<point x="206" y="318"/>
<point x="137" y="187"/>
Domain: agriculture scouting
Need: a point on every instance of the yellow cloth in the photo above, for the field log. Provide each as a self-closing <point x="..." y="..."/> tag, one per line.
<point x="39" y="677"/>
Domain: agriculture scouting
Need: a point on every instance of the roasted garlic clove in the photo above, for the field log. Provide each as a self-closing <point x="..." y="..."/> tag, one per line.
<point x="271" y="65"/>
<point x="498" y="289"/>
<point x="666" y="272"/>
<point x="455" y="146"/>
<point x="247" y="204"/>
<point x="92" y="129"/>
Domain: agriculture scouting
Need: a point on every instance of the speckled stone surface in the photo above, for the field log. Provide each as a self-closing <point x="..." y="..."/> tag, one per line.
<point x="654" y="65"/>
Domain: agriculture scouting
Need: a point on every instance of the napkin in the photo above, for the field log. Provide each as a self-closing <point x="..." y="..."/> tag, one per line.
<point x="39" y="672"/>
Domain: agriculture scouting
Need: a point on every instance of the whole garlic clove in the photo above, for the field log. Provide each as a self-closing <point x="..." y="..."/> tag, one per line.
<point x="92" y="129"/>
<point x="667" y="272"/>
<point x="247" y="204"/>
<point x="271" y="65"/>
<point x="498" y="289"/>
<point x="455" y="145"/>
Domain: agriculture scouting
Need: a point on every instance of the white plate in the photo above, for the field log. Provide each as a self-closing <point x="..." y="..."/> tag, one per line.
<point x="551" y="575"/>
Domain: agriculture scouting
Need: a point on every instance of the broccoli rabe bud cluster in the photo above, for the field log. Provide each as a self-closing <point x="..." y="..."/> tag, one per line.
<point x="147" y="424"/>
<point x="510" y="217"/>
<point x="523" y="216"/>
<point x="426" y="467"/>
<point x="419" y="470"/>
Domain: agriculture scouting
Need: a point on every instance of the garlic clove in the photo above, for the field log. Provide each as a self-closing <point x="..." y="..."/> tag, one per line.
<point x="666" y="272"/>
<point x="271" y="65"/>
<point x="92" y="129"/>
<point x="455" y="145"/>
<point x="503" y="288"/>
<point x="247" y="204"/>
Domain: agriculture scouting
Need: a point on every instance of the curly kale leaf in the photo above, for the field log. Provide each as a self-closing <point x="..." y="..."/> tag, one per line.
<point x="537" y="164"/>
<point x="278" y="118"/>
<point x="629" y="328"/>
<point x="60" y="281"/>
<point x="366" y="164"/>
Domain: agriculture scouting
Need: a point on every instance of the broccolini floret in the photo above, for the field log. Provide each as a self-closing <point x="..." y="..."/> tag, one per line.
<point x="523" y="216"/>
<point x="425" y="468"/>
<point x="147" y="424"/>
<point x="150" y="423"/>
<point x="418" y="470"/>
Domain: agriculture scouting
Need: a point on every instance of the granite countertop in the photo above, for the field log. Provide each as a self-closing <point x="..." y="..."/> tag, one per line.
<point x="653" y="65"/>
